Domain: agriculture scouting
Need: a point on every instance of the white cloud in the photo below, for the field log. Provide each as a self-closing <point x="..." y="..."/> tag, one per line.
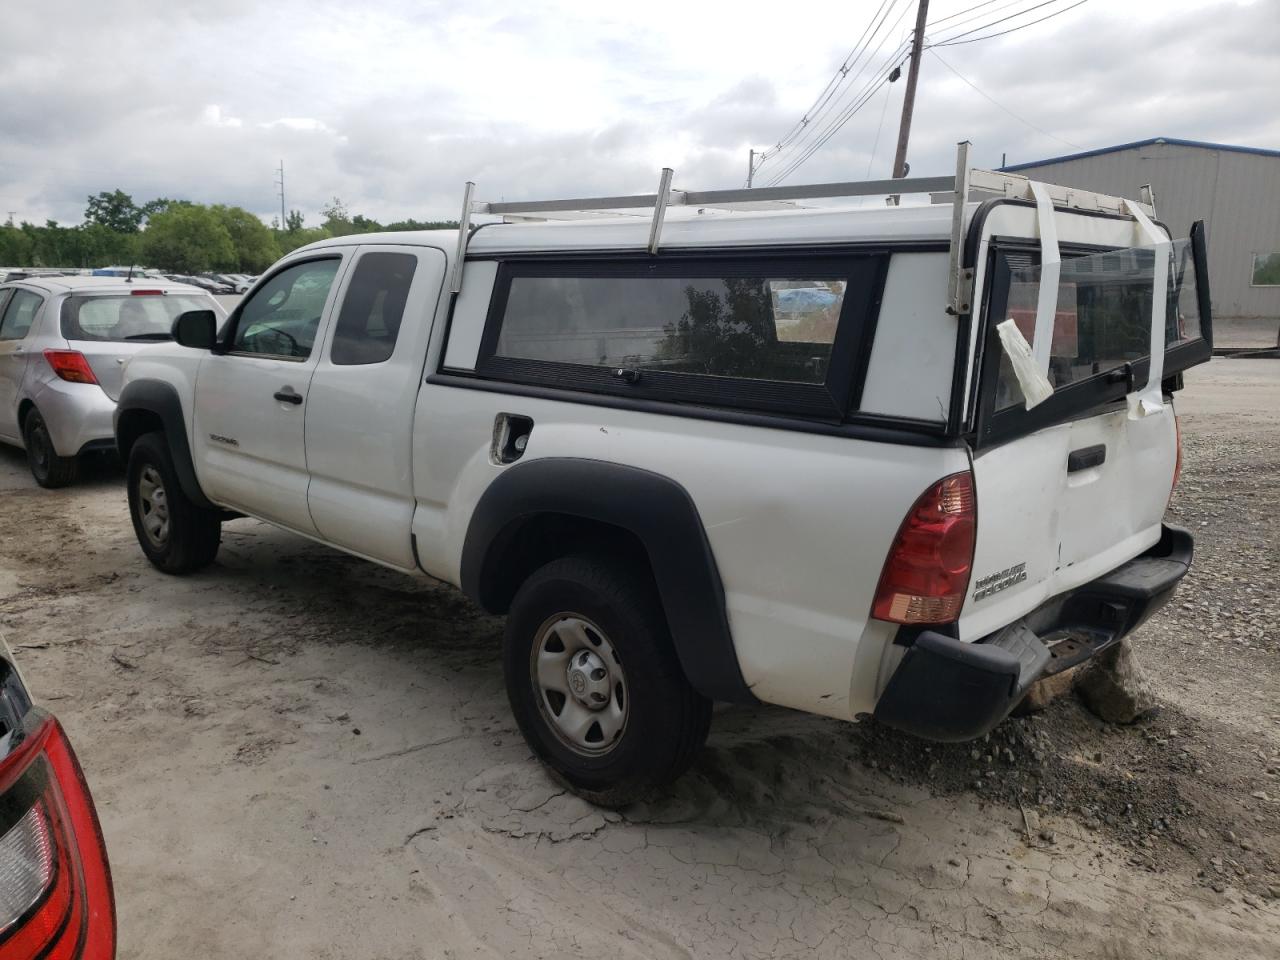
<point x="213" y="116"/>
<point x="392" y="105"/>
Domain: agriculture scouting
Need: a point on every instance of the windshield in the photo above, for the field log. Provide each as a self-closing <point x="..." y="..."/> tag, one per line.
<point x="129" y="316"/>
<point x="1103" y="315"/>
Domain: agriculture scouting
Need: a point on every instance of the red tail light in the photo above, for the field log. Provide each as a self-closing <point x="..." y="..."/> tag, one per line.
<point x="55" y="885"/>
<point x="927" y="572"/>
<point x="70" y="365"/>
<point x="146" y="293"/>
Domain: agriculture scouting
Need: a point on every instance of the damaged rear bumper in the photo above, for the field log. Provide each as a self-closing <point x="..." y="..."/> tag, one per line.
<point x="949" y="690"/>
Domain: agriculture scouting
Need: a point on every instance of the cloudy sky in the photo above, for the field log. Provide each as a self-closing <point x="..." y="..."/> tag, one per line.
<point x="392" y="104"/>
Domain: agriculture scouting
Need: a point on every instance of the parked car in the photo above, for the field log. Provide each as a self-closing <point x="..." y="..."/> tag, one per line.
<point x="56" y="897"/>
<point x="754" y="457"/>
<point x="214" y="284"/>
<point x="63" y="344"/>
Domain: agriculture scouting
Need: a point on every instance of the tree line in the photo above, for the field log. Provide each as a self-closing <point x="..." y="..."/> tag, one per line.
<point x="178" y="236"/>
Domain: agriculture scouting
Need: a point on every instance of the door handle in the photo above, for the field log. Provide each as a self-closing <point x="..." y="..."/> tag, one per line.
<point x="1086" y="457"/>
<point x="286" y="395"/>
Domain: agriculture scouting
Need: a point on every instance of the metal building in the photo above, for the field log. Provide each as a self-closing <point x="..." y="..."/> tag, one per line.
<point x="1235" y="190"/>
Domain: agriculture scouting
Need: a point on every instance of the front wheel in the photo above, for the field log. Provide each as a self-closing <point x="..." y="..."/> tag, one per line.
<point x="176" y="535"/>
<point x="49" y="469"/>
<point x="595" y="683"/>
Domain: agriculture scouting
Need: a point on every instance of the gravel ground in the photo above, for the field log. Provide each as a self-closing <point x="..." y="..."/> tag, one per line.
<point x="298" y="754"/>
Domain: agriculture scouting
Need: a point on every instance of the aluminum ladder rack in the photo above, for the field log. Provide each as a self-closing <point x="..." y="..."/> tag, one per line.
<point x="967" y="184"/>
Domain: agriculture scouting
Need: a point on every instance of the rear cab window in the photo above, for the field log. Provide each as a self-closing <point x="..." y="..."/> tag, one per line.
<point x="779" y="334"/>
<point x="372" y="309"/>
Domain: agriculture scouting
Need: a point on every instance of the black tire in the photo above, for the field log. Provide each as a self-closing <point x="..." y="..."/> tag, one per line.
<point x="191" y="536"/>
<point x="666" y="720"/>
<point x="49" y="469"/>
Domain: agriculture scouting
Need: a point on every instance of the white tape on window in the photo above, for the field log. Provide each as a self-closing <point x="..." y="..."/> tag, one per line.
<point x="1036" y="388"/>
<point x="1150" y="399"/>
<point x="1050" y="273"/>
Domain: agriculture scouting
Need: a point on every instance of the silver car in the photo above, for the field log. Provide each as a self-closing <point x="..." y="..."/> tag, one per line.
<point x="63" y="344"/>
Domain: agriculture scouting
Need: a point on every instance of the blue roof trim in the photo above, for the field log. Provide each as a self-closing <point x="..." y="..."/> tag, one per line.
<point x="1259" y="151"/>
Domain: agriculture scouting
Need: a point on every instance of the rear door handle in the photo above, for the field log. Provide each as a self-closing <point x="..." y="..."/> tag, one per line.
<point x="1086" y="457"/>
<point x="286" y="395"/>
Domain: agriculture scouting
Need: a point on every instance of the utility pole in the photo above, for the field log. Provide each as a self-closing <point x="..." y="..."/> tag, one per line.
<point x="751" y="165"/>
<point x="280" y="183"/>
<point x="909" y="101"/>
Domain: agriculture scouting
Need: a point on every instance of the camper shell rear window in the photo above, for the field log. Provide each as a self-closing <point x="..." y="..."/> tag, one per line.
<point x="1101" y="329"/>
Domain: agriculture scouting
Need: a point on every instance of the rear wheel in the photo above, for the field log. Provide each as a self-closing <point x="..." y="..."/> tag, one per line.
<point x="49" y="469"/>
<point x="594" y="681"/>
<point x="176" y="535"/>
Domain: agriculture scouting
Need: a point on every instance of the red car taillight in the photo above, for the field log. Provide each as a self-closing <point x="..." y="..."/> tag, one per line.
<point x="927" y="572"/>
<point x="70" y="365"/>
<point x="55" y="884"/>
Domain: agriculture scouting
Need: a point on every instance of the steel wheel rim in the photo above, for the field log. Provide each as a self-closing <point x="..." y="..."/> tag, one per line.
<point x="579" y="684"/>
<point x="153" y="506"/>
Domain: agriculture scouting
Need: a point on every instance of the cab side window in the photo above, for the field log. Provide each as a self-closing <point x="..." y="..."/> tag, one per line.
<point x="19" y="315"/>
<point x="373" y="308"/>
<point x="282" y="316"/>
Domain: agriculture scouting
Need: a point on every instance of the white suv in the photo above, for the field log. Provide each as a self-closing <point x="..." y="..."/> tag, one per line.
<point x="737" y="455"/>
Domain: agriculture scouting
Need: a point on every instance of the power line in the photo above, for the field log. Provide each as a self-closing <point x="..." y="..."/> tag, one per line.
<point x="839" y="113"/>
<point x="993" y="100"/>
<point x="881" y="76"/>
<point x="954" y="41"/>
<point x="831" y="103"/>
<point x="875" y="144"/>
<point x="960" y="13"/>
<point x="1004" y="5"/>
<point x="835" y="82"/>
<point x="833" y="128"/>
<point x="804" y="139"/>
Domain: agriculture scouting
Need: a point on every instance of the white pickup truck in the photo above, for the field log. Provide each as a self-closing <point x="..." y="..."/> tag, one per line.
<point x="897" y="461"/>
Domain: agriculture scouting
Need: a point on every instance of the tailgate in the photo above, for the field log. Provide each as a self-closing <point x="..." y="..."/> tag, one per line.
<point x="1072" y="486"/>
<point x="1063" y="506"/>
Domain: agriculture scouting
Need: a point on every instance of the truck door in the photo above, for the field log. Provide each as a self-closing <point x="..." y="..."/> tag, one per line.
<point x="359" y="417"/>
<point x="251" y="397"/>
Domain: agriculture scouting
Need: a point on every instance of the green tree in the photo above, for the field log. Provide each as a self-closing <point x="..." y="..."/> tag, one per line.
<point x="160" y="205"/>
<point x="188" y="238"/>
<point x="293" y="222"/>
<point x="255" y="247"/>
<point x="288" y="241"/>
<point x="337" y="221"/>
<point x="115" y="211"/>
<point x="422" y="225"/>
<point x="15" y="246"/>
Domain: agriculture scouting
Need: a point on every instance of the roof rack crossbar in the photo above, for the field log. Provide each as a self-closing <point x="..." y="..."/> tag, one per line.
<point x="711" y="198"/>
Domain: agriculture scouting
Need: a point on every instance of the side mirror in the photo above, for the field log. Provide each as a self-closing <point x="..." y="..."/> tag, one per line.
<point x="197" y="329"/>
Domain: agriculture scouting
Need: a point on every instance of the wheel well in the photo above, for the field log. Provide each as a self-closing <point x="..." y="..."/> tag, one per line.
<point x="25" y="407"/>
<point x="528" y="543"/>
<point x="133" y="424"/>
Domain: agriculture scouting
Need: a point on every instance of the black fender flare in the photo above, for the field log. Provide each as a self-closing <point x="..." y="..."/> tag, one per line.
<point x="161" y="400"/>
<point x="660" y="514"/>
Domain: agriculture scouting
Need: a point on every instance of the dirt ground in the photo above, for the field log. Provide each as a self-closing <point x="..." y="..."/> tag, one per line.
<point x="297" y="754"/>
